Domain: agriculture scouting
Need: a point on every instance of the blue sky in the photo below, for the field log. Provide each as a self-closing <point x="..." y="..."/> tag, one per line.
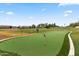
<point x="35" y="13"/>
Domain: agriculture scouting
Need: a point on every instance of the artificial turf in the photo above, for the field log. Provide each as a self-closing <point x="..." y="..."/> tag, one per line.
<point x="40" y="44"/>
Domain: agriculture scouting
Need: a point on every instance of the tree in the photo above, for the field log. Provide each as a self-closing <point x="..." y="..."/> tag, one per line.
<point x="33" y="26"/>
<point x="54" y="25"/>
<point x="10" y="27"/>
<point x="74" y="24"/>
<point x="50" y="25"/>
<point x="40" y="25"/>
<point x="29" y="27"/>
<point x="37" y="30"/>
<point x="47" y="25"/>
<point x="18" y="27"/>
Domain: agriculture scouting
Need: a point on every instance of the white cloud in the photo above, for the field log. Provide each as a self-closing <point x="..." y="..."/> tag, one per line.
<point x="67" y="4"/>
<point x="66" y="15"/>
<point x="9" y="13"/>
<point x="67" y="12"/>
<point x="64" y="4"/>
<point x="44" y="9"/>
<point x="30" y="17"/>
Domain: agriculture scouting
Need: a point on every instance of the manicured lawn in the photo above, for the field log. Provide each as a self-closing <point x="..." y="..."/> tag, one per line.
<point x="75" y="37"/>
<point x="35" y="45"/>
<point x="65" y="47"/>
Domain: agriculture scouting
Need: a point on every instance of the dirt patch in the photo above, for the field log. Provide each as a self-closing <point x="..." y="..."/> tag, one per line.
<point x="6" y="33"/>
<point x="3" y="36"/>
<point x="21" y="34"/>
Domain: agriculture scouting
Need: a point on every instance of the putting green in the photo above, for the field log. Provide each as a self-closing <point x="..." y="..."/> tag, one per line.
<point x="35" y="45"/>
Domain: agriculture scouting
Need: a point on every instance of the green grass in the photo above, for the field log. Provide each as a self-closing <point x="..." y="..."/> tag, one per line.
<point x="35" y="45"/>
<point x="75" y="37"/>
<point x="65" y="47"/>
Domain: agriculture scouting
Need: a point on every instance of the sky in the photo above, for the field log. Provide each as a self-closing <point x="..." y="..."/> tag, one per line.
<point x="25" y="14"/>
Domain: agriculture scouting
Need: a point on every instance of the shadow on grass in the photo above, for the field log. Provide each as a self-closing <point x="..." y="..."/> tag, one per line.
<point x="6" y="53"/>
<point x="65" y="47"/>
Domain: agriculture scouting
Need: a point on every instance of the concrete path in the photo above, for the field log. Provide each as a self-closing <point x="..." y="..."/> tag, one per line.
<point x="6" y="39"/>
<point x="72" y="49"/>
